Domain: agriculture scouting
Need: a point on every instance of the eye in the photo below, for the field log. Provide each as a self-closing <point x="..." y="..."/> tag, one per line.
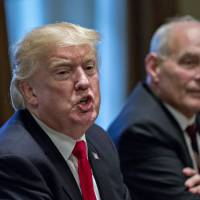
<point x="90" y="67"/>
<point x="62" y="73"/>
<point x="190" y="62"/>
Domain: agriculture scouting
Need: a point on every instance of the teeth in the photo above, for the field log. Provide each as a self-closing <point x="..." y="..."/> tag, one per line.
<point x="84" y="100"/>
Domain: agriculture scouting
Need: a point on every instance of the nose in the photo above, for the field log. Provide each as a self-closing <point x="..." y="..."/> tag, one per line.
<point x="81" y="79"/>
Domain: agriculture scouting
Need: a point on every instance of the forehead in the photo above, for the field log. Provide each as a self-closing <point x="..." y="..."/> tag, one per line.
<point x="185" y="37"/>
<point x="74" y="52"/>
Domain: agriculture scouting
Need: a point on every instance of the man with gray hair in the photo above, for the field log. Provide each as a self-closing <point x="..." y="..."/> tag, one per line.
<point x="156" y="130"/>
<point x="51" y="149"/>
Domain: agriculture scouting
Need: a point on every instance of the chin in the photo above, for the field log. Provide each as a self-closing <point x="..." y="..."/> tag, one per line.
<point x="192" y="109"/>
<point x="196" y="109"/>
<point x="86" y="119"/>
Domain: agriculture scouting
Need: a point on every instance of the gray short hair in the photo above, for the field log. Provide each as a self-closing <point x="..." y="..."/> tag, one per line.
<point x="29" y="51"/>
<point x="160" y="41"/>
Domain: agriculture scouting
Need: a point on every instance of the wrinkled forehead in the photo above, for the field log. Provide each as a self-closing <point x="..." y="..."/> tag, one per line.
<point x="72" y="53"/>
<point x="75" y="51"/>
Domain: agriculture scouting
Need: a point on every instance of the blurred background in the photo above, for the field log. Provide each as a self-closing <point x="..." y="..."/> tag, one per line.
<point x="125" y="26"/>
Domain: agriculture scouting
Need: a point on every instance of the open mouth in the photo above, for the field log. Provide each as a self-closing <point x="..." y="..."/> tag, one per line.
<point x="85" y="100"/>
<point x="85" y="104"/>
<point x="195" y="94"/>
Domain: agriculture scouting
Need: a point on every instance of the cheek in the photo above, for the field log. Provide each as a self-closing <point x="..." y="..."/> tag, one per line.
<point x="52" y="94"/>
<point x="96" y="90"/>
<point x="95" y="86"/>
<point x="173" y="85"/>
<point x="172" y="78"/>
<point x="179" y="80"/>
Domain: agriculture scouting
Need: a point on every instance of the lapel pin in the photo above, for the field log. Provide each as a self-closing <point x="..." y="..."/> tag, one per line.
<point x="95" y="155"/>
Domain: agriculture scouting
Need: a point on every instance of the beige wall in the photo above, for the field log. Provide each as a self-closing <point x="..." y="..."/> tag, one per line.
<point x="189" y="7"/>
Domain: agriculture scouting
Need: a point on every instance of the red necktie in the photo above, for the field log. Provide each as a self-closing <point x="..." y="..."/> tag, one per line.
<point x="84" y="171"/>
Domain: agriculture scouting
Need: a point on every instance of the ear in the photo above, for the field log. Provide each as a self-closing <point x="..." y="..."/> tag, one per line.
<point x="28" y="93"/>
<point x="152" y="66"/>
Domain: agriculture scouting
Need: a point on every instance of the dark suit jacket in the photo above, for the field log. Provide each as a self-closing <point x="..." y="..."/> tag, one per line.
<point x="31" y="167"/>
<point x="152" y="148"/>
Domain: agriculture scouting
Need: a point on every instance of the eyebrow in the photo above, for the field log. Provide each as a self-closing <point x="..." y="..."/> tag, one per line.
<point x="90" y="56"/>
<point x="190" y="54"/>
<point x="57" y="62"/>
<point x="64" y="61"/>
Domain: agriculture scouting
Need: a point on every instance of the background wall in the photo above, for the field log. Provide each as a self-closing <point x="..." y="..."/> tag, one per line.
<point x="189" y="7"/>
<point x="126" y="27"/>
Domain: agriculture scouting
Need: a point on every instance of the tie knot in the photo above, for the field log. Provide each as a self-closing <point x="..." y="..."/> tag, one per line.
<point x="79" y="150"/>
<point x="192" y="130"/>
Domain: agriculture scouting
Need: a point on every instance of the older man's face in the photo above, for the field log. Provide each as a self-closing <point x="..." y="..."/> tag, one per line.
<point x="179" y="74"/>
<point x="66" y="86"/>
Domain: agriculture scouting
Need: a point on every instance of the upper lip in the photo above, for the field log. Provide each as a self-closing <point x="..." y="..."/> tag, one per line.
<point x="195" y="91"/>
<point x="84" y="98"/>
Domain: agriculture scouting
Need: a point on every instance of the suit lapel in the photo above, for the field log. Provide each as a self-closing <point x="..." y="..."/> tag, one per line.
<point x="64" y="173"/>
<point x="69" y="184"/>
<point x="66" y="177"/>
<point x="100" y="172"/>
<point x="171" y="126"/>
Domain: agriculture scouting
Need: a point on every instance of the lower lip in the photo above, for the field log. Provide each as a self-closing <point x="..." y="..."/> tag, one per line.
<point x="85" y="107"/>
<point x="195" y="93"/>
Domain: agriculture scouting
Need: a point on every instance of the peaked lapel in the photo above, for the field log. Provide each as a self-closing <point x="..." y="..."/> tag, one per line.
<point x="171" y="126"/>
<point x="64" y="173"/>
<point x="100" y="172"/>
<point x="70" y="186"/>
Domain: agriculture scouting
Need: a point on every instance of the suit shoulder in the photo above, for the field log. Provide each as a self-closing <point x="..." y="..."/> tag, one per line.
<point x="95" y="132"/>
<point x="99" y="138"/>
<point x="96" y="128"/>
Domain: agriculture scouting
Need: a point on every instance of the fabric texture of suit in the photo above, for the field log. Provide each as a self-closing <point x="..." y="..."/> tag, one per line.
<point x="152" y="148"/>
<point x="31" y="167"/>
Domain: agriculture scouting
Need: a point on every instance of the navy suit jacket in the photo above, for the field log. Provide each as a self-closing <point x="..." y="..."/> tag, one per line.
<point x="31" y="167"/>
<point x="152" y="148"/>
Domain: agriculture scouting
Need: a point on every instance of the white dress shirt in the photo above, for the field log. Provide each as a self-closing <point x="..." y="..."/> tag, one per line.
<point x="65" y="146"/>
<point x="184" y="123"/>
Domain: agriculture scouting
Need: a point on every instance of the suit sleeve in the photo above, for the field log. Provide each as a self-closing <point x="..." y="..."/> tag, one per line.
<point x="19" y="179"/>
<point x="152" y="168"/>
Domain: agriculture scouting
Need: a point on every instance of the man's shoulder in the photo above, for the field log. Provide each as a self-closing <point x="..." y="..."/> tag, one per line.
<point x="95" y="128"/>
<point x="139" y="105"/>
<point x="143" y="109"/>
<point x="11" y="126"/>
<point x="96" y="133"/>
<point x="98" y="137"/>
<point x="16" y="140"/>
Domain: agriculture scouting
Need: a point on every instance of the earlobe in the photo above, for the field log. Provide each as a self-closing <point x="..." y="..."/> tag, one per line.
<point x="28" y="93"/>
<point x="152" y="66"/>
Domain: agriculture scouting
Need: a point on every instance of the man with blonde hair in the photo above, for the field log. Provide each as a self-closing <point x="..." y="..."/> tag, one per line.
<point x="51" y="148"/>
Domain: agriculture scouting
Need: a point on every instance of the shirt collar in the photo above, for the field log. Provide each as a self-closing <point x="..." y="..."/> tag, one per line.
<point x="183" y="121"/>
<point x="63" y="142"/>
